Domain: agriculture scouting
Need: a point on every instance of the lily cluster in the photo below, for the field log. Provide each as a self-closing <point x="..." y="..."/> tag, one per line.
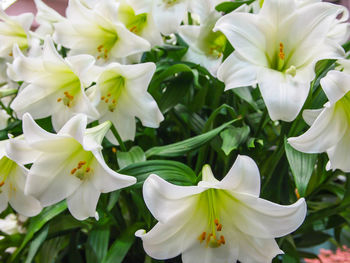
<point x="84" y="70"/>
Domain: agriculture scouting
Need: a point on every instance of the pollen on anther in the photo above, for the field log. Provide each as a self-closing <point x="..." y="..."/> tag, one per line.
<point x="2" y="183"/>
<point x="59" y="99"/>
<point x="73" y="171"/>
<point x="219" y="227"/>
<point x="114" y="101"/>
<point x="222" y="240"/>
<point x="103" y="98"/>
<point x="216" y="221"/>
<point x="202" y="237"/>
<point x="87" y="169"/>
<point x="106" y="100"/>
<point x="109" y="94"/>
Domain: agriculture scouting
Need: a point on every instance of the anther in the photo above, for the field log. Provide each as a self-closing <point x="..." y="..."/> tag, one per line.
<point x="59" y="99"/>
<point x="114" y="150"/>
<point x="109" y="94"/>
<point x="106" y="100"/>
<point x="202" y="237"/>
<point x="2" y="183"/>
<point x="87" y="169"/>
<point x="103" y="98"/>
<point x="222" y="240"/>
<point x="218" y="227"/>
<point x="73" y="171"/>
<point x="114" y="101"/>
<point x="216" y="221"/>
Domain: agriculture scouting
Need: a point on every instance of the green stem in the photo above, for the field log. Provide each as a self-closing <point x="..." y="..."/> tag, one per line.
<point x="119" y="139"/>
<point x="5" y="108"/>
<point x="261" y="123"/>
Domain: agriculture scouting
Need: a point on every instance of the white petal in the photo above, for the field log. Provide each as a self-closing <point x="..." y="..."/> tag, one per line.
<point x="82" y="203"/>
<point x="338" y="155"/>
<point x="128" y="43"/>
<point x="168" y="18"/>
<point x="23" y="204"/>
<point x="83" y="65"/>
<point x="19" y="150"/>
<point x="243" y="177"/>
<point x="325" y="132"/>
<point x="75" y="127"/>
<point x="50" y="179"/>
<point x="335" y="84"/>
<point x="93" y="136"/>
<point x="106" y="180"/>
<point x="283" y="94"/>
<point x="263" y="219"/>
<point x="257" y="250"/>
<point x="311" y="115"/>
<point x="123" y="122"/>
<point x="235" y="72"/>
<point x="277" y="10"/>
<point x="3" y="201"/>
<point x="165" y="200"/>
<point x="246" y="34"/>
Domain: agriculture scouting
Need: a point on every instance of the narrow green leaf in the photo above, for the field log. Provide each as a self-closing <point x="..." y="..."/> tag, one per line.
<point x="37" y="222"/>
<point x="135" y="155"/>
<point x="36" y="243"/>
<point x="97" y="245"/>
<point x="244" y="94"/>
<point x="229" y="6"/>
<point x="302" y="165"/>
<point x="232" y="137"/>
<point x="51" y="248"/>
<point x="171" y="171"/>
<point x="121" y="246"/>
<point x="181" y="148"/>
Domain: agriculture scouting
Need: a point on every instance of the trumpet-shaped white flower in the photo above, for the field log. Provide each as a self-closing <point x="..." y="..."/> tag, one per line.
<point x="278" y="49"/>
<point x="12" y="183"/>
<point x="205" y="46"/>
<point x="330" y="125"/>
<point x="12" y="224"/>
<point x="217" y="221"/>
<point x="97" y="32"/>
<point x="55" y="85"/>
<point x="70" y="166"/>
<point x="14" y="30"/>
<point x="121" y="95"/>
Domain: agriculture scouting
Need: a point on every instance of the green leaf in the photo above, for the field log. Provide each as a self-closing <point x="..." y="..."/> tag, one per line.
<point x="97" y="245"/>
<point x="171" y="171"/>
<point x="302" y="165"/>
<point x="121" y="246"/>
<point x="228" y="7"/>
<point x="36" y="243"/>
<point x="135" y="155"/>
<point x="51" y="249"/>
<point x="244" y="94"/>
<point x="232" y="137"/>
<point x="183" y="147"/>
<point x="37" y="222"/>
<point x="252" y="142"/>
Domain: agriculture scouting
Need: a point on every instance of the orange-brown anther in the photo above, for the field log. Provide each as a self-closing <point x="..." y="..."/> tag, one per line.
<point x="216" y="221"/>
<point x="281" y="54"/>
<point x="219" y="227"/>
<point x="87" y="169"/>
<point x="103" y="98"/>
<point x="2" y="183"/>
<point x="114" y="149"/>
<point x="222" y="240"/>
<point x="202" y="237"/>
<point x="106" y="100"/>
<point x="208" y="238"/>
<point x="73" y="171"/>
<point x="59" y="99"/>
<point x="133" y="29"/>
<point x="114" y="101"/>
<point x="99" y="48"/>
<point x="109" y="94"/>
<point x="297" y="193"/>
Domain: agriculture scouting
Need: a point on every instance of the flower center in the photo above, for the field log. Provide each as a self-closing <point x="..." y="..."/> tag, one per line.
<point x="280" y="62"/>
<point x="111" y="85"/>
<point x="110" y="38"/>
<point x="170" y="2"/>
<point x="135" y="23"/>
<point x="82" y="170"/>
<point x="6" y="167"/>
<point x="213" y="237"/>
<point x="70" y="89"/>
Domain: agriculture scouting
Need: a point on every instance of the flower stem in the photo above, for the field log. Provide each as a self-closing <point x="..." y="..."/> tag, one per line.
<point x="119" y="139"/>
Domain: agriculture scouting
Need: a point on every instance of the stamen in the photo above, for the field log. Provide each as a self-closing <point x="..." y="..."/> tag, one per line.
<point x="2" y="183"/>
<point x="216" y="221"/>
<point x="202" y="237"/>
<point x="59" y="99"/>
<point x="87" y="169"/>
<point x="73" y="171"/>
<point x="281" y="54"/>
<point x="103" y="98"/>
<point x="114" y="150"/>
<point x="222" y="240"/>
<point x="219" y="227"/>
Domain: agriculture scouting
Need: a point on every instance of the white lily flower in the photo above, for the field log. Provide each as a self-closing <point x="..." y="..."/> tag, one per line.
<point x="278" y="49"/>
<point x="217" y="221"/>
<point x="12" y="183"/>
<point x="70" y="166"/>
<point x="14" y="30"/>
<point x="98" y="32"/>
<point x="56" y="85"/>
<point x="330" y="125"/>
<point x="205" y="46"/>
<point x="141" y="24"/>
<point x="12" y="224"/>
<point x="121" y="95"/>
<point x="167" y="14"/>
<point x="203" y="8"/>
